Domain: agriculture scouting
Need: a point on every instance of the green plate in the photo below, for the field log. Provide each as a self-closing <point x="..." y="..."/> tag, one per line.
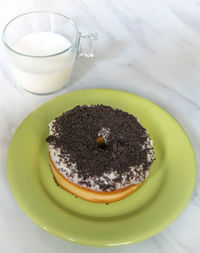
<point x="143" y="214"/>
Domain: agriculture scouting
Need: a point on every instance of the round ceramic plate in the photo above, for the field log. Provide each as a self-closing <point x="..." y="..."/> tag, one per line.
<point x="152" y="208"/>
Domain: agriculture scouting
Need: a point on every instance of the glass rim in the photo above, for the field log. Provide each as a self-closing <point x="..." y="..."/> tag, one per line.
<point x="39" y="56"/>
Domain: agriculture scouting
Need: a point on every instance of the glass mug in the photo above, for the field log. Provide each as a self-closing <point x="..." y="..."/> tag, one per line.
<point x="43" y="47"/>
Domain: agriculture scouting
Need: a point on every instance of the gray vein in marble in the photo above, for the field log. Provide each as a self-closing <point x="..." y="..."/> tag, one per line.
<point x="7" y="121"/>
<point x="189" y="20"/>
<point x="161" y="84"/>
<point x="5" y="73"/>
<point x="182" y="242"/>
<point x="92" y="16"/>
<point x="162" y="238"/>
<point x="135" y="27"/>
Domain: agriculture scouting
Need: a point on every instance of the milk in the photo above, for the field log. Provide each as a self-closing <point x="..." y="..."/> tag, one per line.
<point x="42" y="74"/>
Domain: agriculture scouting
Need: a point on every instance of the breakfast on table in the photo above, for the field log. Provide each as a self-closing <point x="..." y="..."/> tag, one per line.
<point x="97" y="158"/>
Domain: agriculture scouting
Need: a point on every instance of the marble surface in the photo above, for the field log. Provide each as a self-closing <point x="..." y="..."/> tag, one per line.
<point x="151" y="48"/>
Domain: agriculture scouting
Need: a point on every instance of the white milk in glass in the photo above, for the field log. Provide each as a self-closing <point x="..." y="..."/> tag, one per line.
<point x="42" y="74"/>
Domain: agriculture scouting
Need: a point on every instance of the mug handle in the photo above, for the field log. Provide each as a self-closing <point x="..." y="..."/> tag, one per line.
<point x="88" y="42"/>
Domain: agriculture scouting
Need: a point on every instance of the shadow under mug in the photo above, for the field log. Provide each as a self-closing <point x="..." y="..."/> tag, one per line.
<point x="44" y="74"/>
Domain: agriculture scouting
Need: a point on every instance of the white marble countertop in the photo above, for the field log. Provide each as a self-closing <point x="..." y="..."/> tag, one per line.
<point x="151" y="48"/>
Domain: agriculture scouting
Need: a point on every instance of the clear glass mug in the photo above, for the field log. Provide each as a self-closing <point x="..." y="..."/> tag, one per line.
<point x="44" y="74"/>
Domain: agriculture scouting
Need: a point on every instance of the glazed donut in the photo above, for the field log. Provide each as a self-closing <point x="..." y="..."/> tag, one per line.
<point x="99" y="153"/>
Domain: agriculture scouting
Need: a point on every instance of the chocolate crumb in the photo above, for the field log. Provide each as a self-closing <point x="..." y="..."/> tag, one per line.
<point x="75" y="134"/>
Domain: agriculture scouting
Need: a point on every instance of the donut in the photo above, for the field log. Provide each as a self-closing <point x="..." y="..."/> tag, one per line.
<point x="99" y="153"/>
